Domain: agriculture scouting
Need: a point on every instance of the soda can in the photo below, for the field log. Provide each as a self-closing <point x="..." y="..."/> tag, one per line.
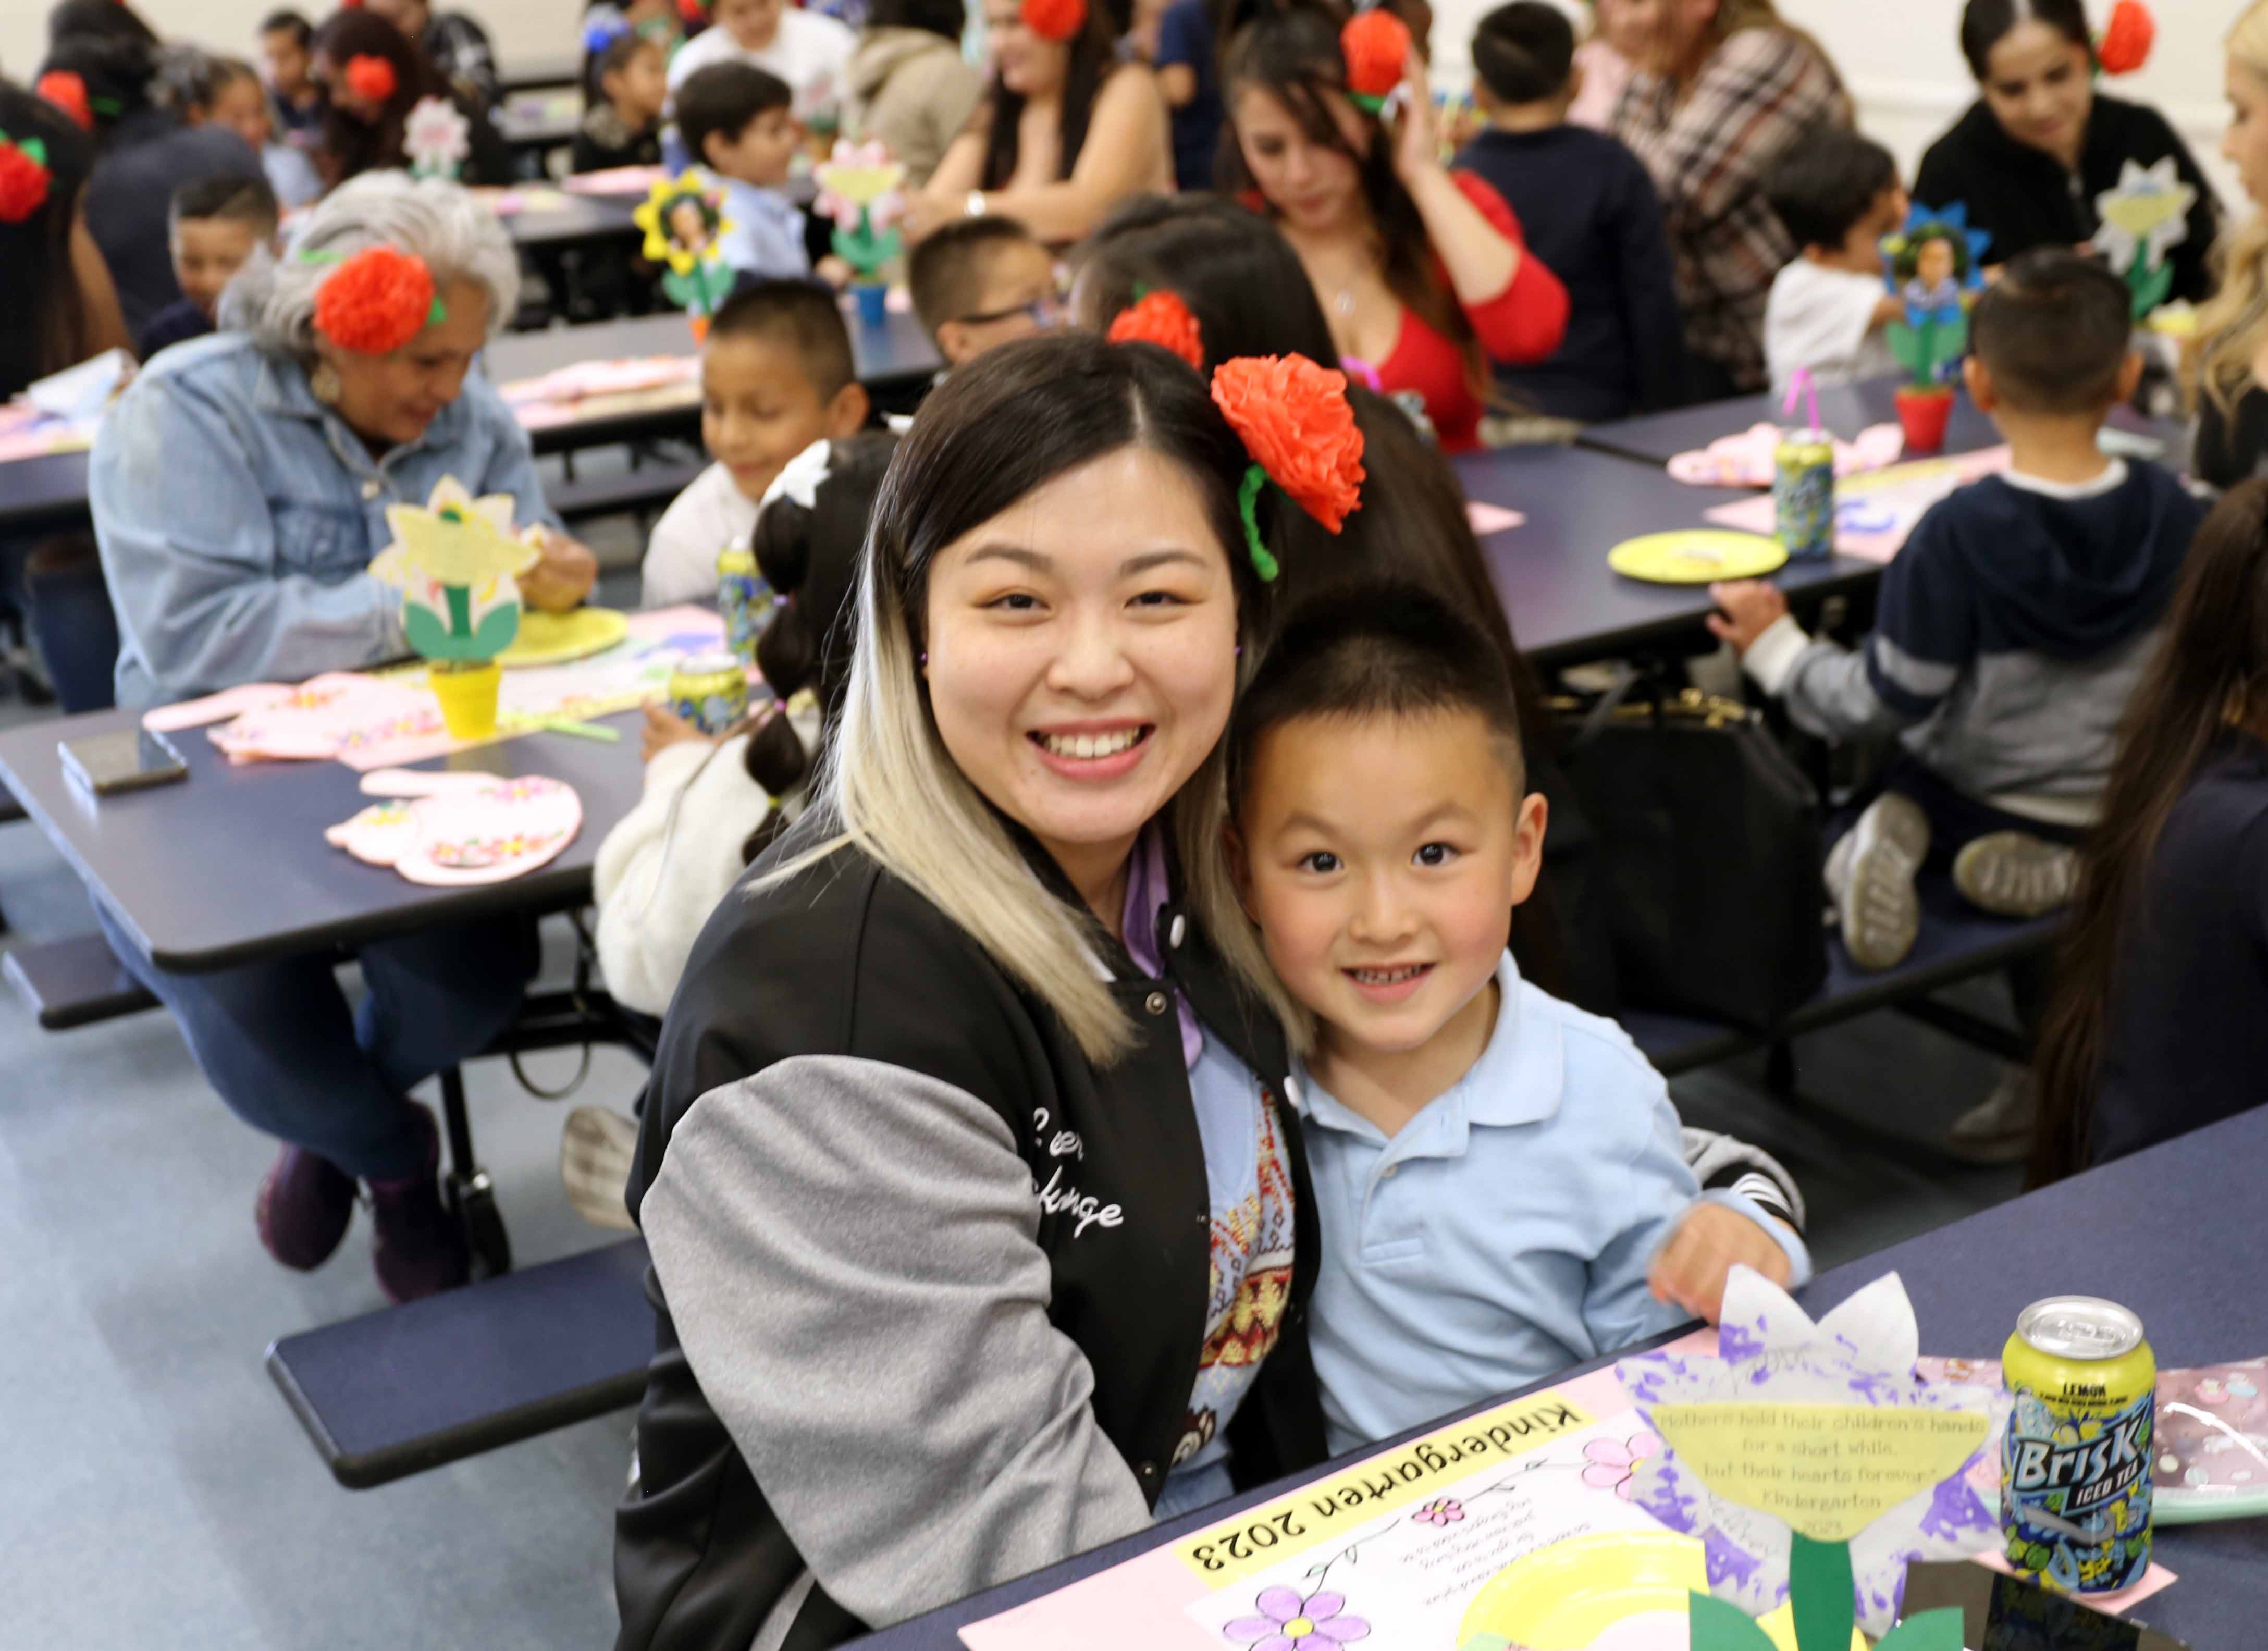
<point x="710" y="690"/>
<point x="744" y="598"/>
<point x="2075" y="1462"/>
<point x="1803" y="495"/>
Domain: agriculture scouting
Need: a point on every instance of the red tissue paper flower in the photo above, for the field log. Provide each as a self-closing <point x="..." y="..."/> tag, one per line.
<point x="1376" y="45"/>
<point x="1054" y="19"/>
<point x="375" y="302"/>
<point x="24" y="179"/>
<point x="68" y="93"/>
<point x="1294" y="421"/>
<point x="371" y="79"/>
<point x="2126" y="38"/>
<point x="1161" y="318"/>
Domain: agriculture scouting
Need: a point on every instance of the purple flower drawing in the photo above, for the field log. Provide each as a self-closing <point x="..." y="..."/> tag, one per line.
<point x="1442" y="1510"/>
<point x="1612" y="1466"/>
<point x="1289" y="1623"/>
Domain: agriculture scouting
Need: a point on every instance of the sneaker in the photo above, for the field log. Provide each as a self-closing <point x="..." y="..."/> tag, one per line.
<point x="1999" y="1129"/>
<point x="1871" y="874"/>
<point x="594" y="1165"/>
<point x="304" y="1203"/>
<point x="418" y="1246"/>
<point x="2015" y="875"/>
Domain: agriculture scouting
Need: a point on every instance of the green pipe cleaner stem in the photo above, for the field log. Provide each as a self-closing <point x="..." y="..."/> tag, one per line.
<point x="1247" y="498"/>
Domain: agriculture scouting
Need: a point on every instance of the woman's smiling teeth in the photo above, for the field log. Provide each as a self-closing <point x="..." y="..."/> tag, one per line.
<point x="1091" y="745"/>
<point x="1393" y="976"/>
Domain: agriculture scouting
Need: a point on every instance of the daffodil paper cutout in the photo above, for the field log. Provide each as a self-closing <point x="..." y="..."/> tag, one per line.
<point x="861" y="189"/>
<point x="2145" y="216"/>
<point x="1934" y="262"/>
<point x="1813" y="1463"/>
<point x="454" y="560"/>
<point x="685" y="225"/>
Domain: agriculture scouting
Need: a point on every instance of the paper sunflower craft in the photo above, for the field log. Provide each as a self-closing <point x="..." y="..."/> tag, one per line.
<point x="684" y="221"/>
<point x="863" y="190"/>
<point x="454" y="560"/>
<point x="1934" y="261"/>
<point x="2145" y="216"/>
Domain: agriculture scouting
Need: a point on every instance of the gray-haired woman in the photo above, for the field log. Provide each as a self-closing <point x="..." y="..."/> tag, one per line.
<point x="240" y="491"/>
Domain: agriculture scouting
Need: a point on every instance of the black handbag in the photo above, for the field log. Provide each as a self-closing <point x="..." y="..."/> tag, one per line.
<point x="1706" y="850"/>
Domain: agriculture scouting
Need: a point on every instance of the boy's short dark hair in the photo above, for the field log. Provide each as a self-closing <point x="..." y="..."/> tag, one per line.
<point x="241" y="197"/>
<point x="1522" y="52"/>
<point x="1377" y="649"/>
<point x="722" y="99"/>
<point x="2054" y="331"/>
<point x="803" y="314"/>
<point x="1826" y="181"/>
<point x="289" y="22"/>
<point x="946" y="271"/>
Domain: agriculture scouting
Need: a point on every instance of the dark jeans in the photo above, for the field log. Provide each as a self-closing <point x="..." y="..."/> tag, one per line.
<point x="278" y="1041"/>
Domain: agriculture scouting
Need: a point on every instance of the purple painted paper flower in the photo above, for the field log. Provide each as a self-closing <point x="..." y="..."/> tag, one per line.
<point x="1442" y="1510"/>
<point x="1288" y="1623"/>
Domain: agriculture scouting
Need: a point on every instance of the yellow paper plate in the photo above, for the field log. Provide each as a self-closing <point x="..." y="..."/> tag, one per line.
<point x="1563" y="1597"/>
<point x="556" y="639"/>
<point x="1696" y="555"/>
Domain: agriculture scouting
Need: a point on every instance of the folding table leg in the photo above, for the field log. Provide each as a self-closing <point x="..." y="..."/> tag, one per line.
<point x="466" y="1186"/>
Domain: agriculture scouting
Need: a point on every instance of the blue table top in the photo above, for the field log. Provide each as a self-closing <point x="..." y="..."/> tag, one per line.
<point x="2175" y="1233"/>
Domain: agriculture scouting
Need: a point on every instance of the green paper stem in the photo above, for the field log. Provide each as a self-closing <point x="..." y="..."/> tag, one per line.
<point x="461" y="609"/>
<point x="1819" y="1592"/>
<point x="1248" y="500"/>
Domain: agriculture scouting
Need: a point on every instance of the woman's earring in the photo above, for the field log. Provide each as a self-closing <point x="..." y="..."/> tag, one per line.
<point x="323" y="383"/>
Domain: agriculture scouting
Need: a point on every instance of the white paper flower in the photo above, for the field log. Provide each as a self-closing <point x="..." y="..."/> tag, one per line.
<point x="799" y="478"/>
<point x="2146" y="215"/>
<point x="437" y="139"/>
<point x="1862" y="1353"/>
<point x="861" y="177"/>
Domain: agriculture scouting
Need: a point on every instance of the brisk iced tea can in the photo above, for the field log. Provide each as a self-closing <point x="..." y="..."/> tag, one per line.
<point x="710" y="690"/>
<point x="744" y="597"/>
<point x="1803" y="495"/>
<point x="2075" y="1461"/>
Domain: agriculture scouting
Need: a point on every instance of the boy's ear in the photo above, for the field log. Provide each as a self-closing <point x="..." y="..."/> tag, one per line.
<point x="708" y="155"/>
<point x="1528" y="844"/>
<point x="1978" y="377"/>
<point x="953" y="343"/>
<point x="846" y="413"/>
<point x="2130" y="374"/>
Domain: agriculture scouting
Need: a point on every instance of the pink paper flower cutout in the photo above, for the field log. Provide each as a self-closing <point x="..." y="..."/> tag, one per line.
<point x="1612" y="1465"/>
<point x="1288" y="1623"/>
<point x="1444" y="1510"/>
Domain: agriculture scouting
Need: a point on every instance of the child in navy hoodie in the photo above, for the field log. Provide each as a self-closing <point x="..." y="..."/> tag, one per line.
<point x="2010" y="629"/>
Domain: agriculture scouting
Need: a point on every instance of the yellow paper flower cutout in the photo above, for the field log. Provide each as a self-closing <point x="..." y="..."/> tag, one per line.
<point x="675" y="240"/>
<point x="453" y="540"/>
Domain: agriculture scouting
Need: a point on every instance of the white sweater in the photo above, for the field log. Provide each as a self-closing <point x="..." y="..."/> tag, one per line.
<point x="663" y="869"/>
<point x="681" y="556"/>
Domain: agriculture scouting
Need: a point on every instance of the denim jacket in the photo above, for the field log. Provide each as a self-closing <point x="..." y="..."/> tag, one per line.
<point x="236" y="515"/>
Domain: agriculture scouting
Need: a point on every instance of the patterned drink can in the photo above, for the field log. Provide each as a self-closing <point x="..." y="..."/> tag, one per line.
<point x="744" y="599"/>
<point x="710" y="690"/>
<point x="1803" y="495"/>
<point x="2075" y="1462"/>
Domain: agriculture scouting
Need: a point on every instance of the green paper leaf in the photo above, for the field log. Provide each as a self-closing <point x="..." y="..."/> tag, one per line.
<point x="1819" y="1592"/>
<point x="1715" y="1625"/>
<point x="495" y="632"/>
<point x="1932" y="1631"/>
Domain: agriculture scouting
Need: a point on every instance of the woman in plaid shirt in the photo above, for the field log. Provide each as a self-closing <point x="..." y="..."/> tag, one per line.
<point x="1725" y="89"/>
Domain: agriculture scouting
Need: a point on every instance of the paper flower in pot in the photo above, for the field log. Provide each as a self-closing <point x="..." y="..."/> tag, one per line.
<point x="437" y="137"/>
<point x="1376" y="46"/>
<point x="2145" y="216"/>
<point x="454" y="559"/>
<point x="862" y="189"/>
<point x="1841" y="1391"/>
<point x="1934" y="261"/>
<point x="684" y="222"/>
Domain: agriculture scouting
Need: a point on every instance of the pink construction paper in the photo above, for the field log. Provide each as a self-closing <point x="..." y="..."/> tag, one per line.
<point x="459" y="834"/>
<point x="638" y="181"/>
<point x="1488" y="519"/>
<point x="1873" y="512"/>
<point x="1750" y="457"/>
<point x="229" y="701"/>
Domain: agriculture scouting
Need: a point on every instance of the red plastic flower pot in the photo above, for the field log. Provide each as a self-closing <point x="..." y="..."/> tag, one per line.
<point x="1922" y="415"/>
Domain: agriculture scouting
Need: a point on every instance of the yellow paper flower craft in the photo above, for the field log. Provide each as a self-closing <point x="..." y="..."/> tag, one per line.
<point x="454" y="539"/>
<point x="683" y="219"/>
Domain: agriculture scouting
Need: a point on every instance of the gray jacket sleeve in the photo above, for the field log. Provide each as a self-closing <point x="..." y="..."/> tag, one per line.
<point x="849" y="1257"/>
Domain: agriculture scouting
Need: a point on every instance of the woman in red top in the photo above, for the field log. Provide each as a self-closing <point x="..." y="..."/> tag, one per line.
<point x="1421" y="271"/>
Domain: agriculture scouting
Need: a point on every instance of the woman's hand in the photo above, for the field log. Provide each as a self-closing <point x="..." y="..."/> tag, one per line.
<point x="563" y="574"/>
<point x="1712" y="1239"/>
<point x="664" y="728"/>
<point x="1417" y="139"/>
<point x="1746" y="609"/>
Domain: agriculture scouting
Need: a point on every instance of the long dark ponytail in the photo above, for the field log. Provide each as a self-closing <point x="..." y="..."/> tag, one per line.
<point x="2211" y="671"/>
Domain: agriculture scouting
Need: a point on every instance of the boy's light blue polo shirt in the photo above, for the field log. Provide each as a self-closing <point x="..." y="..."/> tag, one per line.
<point x="766" y="239"/>
<point x="1505" y="1234"/>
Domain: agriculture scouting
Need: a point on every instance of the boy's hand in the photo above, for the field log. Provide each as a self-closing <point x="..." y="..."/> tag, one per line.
<point x="1746" y="609"/>
<point x="1691" y="1268"/>
<point x="664" y="728"/>
<point x="835" y="271"/>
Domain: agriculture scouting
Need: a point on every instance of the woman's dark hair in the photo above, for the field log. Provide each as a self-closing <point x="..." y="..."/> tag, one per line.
<point x="100" y="19"/>
<point x="810" y="558"/>
<point x="351" y="145"/>
<point x="1240" y="278"/>
<point x="39" y="287"/>
<point x="1985" y="22"/>
<point x="1093" y="55"/>
<point x="117" y="64"/>
<point x="947" y="18"/>
<point x="2209" y="674"/>
<point x="1294" y="55"/>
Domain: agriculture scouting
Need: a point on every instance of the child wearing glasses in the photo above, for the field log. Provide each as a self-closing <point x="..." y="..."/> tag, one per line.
<point x="980" y="282"/>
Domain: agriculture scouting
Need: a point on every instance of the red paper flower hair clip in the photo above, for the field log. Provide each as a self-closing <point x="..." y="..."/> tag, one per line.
<point x="1057" y="20"/>
<point x="2126" y="38"/>
<point x="24" y="178"/>
<point x="1376" y="46"/>
<point x="68" y="93"/>
<point x="371" y="79"/>
<point x="1294" y="419"/>
<point x="377" y="300"/>
<point x="1160" y="318"/>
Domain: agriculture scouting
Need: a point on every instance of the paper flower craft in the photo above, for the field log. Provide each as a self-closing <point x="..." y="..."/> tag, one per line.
<point x="1294" y="419"/>
<point x="1160" y="318"/>
<point x="437" y="137"/>
<point x="684" y="220"/>
<point x="860" y="189"/>
<point x="1814" y="1462"/>
<point x="1934" y="262"/>
<point x="68" y="93"/>
<point x="1057" y="20"/>
<point x="2124" y="46"/>
<point x="371" y="79"/>
<point x="2145" y="216"/>
<point x="375" y="301"/>
<point x="24" y="178"/>
<point x="1376" y="46"/>
<point x="454" y="559"/>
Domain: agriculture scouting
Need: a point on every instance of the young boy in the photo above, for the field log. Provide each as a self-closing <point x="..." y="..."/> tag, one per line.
<point x="2009" y="632"/>
<point x="810" y="51"/>
<point x="735" y="120"/>
<point x="1589" y="212"/>
<point x="1838" y="194"/>
<point x="213" y="226"/>
<point x="622" y="126"/>
<point x="1499" y="1175"/>
<point x="286" y="40"/>
<point x="776" y="376"/>
<point x="980" y="282"/>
